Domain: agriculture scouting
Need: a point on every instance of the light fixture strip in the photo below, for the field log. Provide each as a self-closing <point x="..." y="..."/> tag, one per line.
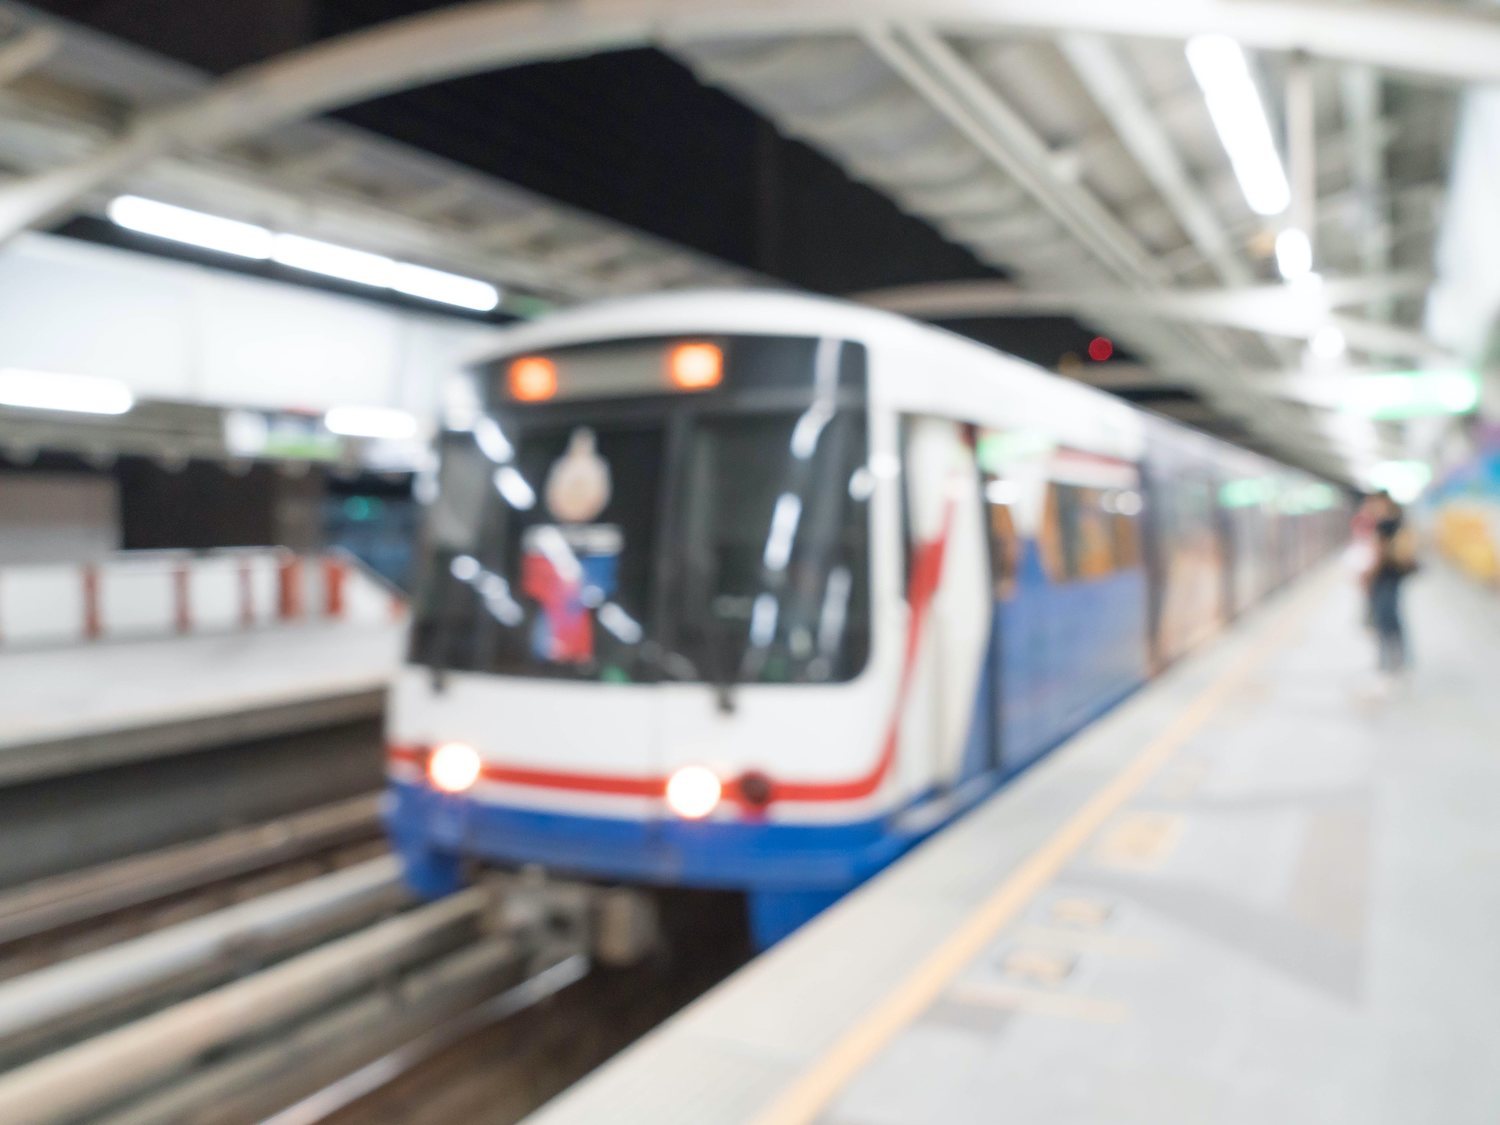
<point x="246" y="240"/>
<point x="378" y="422"/>
<point x="330" y="260"/>
<point x="194" y="228"/>
<point x="73" y="394"/>
<point x="1223" y="74"/>
<point x="1293" y="254"/>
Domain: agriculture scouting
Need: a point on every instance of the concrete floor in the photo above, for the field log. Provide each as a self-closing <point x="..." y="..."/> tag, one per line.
<point x="49" y="693"/>
<point x="1263" y="890"/>
<point x="1297" y="920"/>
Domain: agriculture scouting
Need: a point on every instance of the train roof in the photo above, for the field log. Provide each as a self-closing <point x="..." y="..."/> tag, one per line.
<point x="774" y="312"/>
<point x="784" y="312"/>
<point x="728" y="311"/>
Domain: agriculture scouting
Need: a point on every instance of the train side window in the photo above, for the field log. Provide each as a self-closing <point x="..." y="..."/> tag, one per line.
<point x="1096" y="547"/>
<point x="1084" y="544"/>
<point x="1051" y="544"/>
<point x="1073" y="517"/>
<point x="1005" y="542"/>
<point x="1127" y="535"/>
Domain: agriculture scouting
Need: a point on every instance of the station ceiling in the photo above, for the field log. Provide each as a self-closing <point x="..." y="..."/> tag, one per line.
<point x="1070" y="183"/>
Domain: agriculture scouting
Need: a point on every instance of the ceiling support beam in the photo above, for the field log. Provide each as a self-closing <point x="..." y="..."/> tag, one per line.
<point x="936" y="71"/>
<point x="436" y="200"/>
<point x="1290" y="311"/>
<point x="1120" y="376"/>
<point x="1377" y="338"/>
<point x="1302" y="150"/>
<point x="491" y="34"/>
<point x="1098" y="66"/>
<point x="317" y="163"/>
<point x="590" y="254"/>
<point x="1360" y="94"/>
<point x="21" y="53"/>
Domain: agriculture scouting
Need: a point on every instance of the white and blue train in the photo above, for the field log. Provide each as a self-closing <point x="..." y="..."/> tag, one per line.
<point x="755" y="590"/>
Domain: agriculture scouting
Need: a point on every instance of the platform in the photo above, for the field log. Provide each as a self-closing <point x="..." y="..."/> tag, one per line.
<point x="1262" y="890"/>
<point x="83" y="706"/>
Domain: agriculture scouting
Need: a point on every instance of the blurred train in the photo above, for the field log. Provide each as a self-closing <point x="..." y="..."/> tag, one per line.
<point x="754" y="591"/>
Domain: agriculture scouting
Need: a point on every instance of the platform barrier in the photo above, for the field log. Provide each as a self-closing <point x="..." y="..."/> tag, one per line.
<point x="138" y="595"/>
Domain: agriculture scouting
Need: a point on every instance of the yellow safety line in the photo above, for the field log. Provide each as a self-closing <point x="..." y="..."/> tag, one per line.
<point x="817" y="1086"/>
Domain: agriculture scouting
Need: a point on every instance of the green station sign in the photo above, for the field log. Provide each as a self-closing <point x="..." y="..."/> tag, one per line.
<point x="1411" y="394"/>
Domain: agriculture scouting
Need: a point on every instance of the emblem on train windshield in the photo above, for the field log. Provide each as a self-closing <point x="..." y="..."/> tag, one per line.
<point x="570" y="568"/>
<point x="578" y="485"/>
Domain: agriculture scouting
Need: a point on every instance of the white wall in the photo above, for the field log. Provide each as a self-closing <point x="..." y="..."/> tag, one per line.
<point x="164" y="593"/>
<point x="1462" y="310"/>
<point x="195" y="334"/>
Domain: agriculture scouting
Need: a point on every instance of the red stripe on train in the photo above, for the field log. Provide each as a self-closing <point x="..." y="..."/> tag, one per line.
<point x="927" y="569"/>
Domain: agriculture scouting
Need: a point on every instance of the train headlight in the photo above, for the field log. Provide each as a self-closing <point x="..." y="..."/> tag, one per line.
<point x="454" y="767"/>
<point x="694" y="791"/>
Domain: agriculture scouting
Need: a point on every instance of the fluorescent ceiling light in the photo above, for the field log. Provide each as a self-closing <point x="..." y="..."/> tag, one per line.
<point x="78" y="394"/>
<point x="447" y="288"/>
<point x="1293" y="254"/>
<point x="371" y="422"/>
<point x="246" y="432"/>
<point x="246" y="240"/>
<point x="1328" y="342"/>
<point x="1404" y="480"/>
<point x="342" y="262"/>
<point x="1234" y="104"/>
<point x="163" y="220"/>
<point x="1411" y="394"/>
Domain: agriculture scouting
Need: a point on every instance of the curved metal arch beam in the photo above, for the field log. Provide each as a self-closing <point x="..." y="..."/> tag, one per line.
<point x="494" y="34"/>
<point x="1276" y="310"/>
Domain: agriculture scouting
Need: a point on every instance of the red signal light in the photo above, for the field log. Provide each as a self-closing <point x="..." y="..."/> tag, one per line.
<point x="1100" y="349"/>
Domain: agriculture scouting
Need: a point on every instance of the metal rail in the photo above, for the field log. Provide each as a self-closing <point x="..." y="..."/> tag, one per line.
<point x="350" y="1002"/>
<point x="84" y="987"/>
<point x="323" y="1052"/>
<point x="375" y="1075"/>
<point x="81" y="1080"/>
<point x="50" y="904"/>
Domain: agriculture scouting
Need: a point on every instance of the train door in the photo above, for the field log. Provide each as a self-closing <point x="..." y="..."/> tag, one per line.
<point x="949" y="708"/>
<point x="1191" y="569"/>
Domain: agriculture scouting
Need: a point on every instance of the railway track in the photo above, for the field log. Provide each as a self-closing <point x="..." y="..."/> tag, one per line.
<point x="498" y="1071"/>
<point x="199" y="874"/>
<point x="60" y="824"/>
<point x="282" y="969"/>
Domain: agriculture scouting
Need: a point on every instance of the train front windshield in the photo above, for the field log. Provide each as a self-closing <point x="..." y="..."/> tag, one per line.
<point x="718" y="535"/>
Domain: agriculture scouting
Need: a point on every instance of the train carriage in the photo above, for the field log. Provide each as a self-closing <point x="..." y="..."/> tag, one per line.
<point x="755" y="590"/>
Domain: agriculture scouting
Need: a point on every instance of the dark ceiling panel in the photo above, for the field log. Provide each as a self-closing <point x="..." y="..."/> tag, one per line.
<point x="632" y="136"/>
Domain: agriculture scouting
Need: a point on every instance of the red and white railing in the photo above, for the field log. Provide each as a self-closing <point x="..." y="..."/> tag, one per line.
<point x="164" y="593"/>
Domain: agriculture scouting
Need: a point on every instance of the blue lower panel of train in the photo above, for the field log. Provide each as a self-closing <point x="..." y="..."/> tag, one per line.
<point x="1067" y="654"/>
<point x="789" y="872"/>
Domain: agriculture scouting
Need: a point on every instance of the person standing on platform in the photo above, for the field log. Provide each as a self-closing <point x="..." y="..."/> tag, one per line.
<point x="1359" y="557"/>
<point x="1393" y="561"/>
<point x="1370" y="511"/>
